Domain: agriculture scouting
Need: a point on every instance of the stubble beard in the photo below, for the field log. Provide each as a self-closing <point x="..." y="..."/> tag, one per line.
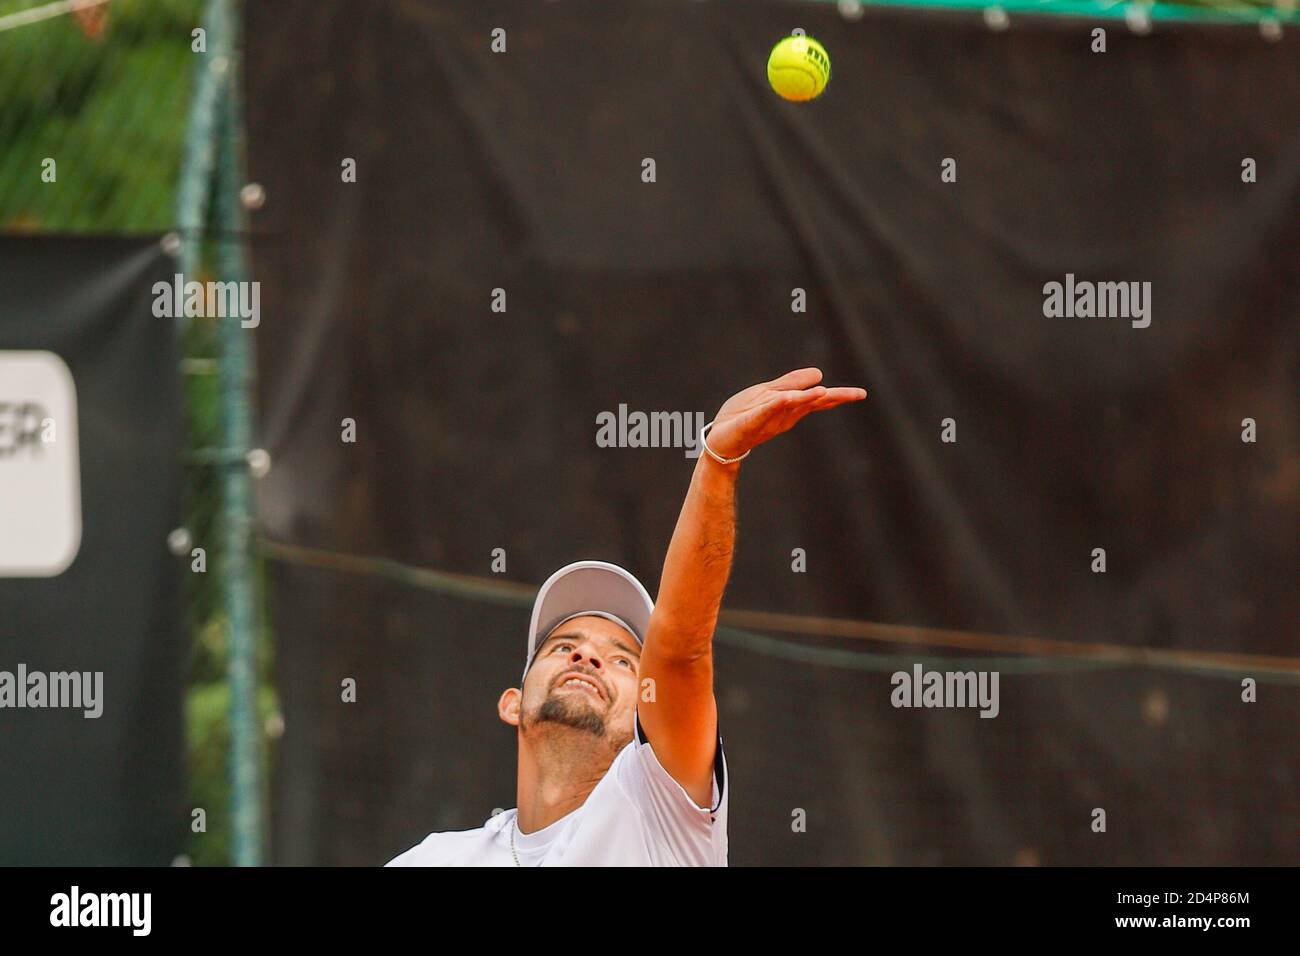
<point x="577" y="715"/>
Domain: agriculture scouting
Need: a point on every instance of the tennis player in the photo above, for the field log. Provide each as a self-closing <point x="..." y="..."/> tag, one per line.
<point x="620" y="762"/>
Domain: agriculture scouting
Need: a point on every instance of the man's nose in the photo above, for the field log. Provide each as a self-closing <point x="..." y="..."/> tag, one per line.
<point x="585" y="654"/>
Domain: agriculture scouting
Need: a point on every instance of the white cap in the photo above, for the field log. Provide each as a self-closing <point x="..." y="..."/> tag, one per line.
<point x="589" y="589"/>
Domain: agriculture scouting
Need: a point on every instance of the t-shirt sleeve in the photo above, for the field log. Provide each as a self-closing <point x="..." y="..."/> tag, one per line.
<point x="419" y="855"/>
<point x="407" y="858"/>
<point x="694" y="835"/>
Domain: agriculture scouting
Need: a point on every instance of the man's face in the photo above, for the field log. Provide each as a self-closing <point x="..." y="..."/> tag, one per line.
<point x="584" y="677"/>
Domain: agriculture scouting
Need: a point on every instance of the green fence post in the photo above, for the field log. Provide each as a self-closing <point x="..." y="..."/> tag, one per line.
<point x="236" y="480"/>
<point x="213" y="167"/>
<point x="198" y="163"/>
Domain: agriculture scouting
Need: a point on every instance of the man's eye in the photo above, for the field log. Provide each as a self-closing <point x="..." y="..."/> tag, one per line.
<point x="624" y="660"/>
<point x="564" y="647"/>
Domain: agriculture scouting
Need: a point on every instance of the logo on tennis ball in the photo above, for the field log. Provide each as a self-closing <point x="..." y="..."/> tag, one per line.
<point x="799" y="68"/>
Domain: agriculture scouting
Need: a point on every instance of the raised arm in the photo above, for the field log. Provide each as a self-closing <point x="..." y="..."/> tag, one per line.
<point x="681" y="721"/>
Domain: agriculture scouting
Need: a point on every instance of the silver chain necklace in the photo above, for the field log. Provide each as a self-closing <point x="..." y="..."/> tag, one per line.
<point x="514" y="828"/>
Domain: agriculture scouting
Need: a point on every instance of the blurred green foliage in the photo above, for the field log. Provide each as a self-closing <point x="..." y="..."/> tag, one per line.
<point x="103" y="92"/>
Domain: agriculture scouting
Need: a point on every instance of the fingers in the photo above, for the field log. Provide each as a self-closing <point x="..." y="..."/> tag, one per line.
<point x="793" y="405"/>
<point x="796" y="396"/>
<point x="835" y="401"/>
<point x="821" y="397"/>
<point x="788" y="405"/>
<point x="789" y="398"/>
<point x="802" y="384"/>
<point x="775" y="409"/>
<point x="781" y="410"/>
<point x="833" y="398"/>
<point x="800" y="378"/>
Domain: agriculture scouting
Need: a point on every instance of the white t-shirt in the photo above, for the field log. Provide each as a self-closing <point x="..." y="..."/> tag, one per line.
<point x="638" y="815"/>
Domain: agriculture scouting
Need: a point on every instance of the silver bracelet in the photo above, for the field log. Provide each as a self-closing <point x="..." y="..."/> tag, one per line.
<point x="713" y="454"/>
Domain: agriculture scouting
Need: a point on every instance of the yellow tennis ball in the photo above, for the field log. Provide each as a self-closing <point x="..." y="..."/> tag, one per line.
<point x="799" y="68"/>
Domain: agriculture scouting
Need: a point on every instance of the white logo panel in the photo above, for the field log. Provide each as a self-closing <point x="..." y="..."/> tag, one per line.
<point x="40" y="471"/>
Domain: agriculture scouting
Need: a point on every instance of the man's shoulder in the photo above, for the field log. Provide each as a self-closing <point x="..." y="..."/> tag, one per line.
<point x="451" y="847"/>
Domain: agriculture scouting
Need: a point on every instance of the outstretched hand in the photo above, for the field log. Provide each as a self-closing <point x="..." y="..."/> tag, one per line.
<point x="763" y="411"/>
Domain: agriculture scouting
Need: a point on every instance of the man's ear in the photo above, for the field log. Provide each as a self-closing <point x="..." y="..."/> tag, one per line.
<point x="508" y="706"/>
